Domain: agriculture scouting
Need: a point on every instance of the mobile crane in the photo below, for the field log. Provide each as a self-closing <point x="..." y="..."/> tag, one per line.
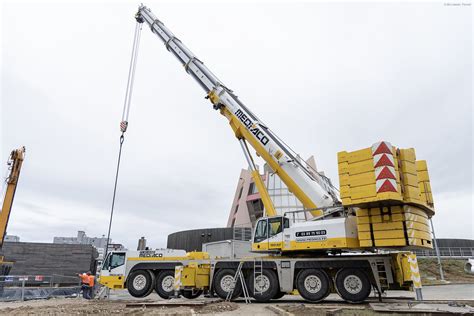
<point x="308" y="256"/>
<point x="14" y="163"/>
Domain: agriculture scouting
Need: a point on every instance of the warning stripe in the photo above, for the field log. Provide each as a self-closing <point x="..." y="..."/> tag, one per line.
<point x="415" y="271"/>
<point x="384" y="165"/>
<point x="385" y="172"/>
<point x="414" y="267"/>
<point x="386" y="185"/>
<point x="381" y="148"/>
<point x="177" y="278"/>
<point x="383" y="160"/>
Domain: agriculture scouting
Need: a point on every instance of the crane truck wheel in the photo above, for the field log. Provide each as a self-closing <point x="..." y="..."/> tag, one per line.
<point x="265" y="287"/>
<point x="153" y="280"/>
<point x="223" y="282"/>
<point x="140" y="283"/>
<point x="353" y="285"/>
<point x="164" y="285"/>
<point x="313" y="284"/>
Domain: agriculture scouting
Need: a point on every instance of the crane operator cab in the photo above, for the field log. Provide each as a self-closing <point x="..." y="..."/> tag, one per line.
<point x="277" y="233"/>
<point x="113" y="270"/>
<point x="268" y="233"/>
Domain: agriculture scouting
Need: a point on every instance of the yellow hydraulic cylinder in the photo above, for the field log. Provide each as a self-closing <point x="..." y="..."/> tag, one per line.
<point x="267" y="202"/>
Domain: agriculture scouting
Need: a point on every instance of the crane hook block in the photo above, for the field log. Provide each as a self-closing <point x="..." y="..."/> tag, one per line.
<point x="123" y="126"/>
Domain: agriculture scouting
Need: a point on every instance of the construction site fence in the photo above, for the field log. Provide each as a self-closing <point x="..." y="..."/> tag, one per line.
<point x="28" y="287"/>
<point x="448" y="252"/>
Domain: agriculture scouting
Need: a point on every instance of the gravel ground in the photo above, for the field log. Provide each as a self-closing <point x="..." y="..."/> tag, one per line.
<point x="79" y="306"/>
<point x="288" y="305"/>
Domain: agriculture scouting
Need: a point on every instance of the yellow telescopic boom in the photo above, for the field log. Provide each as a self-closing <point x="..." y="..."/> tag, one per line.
<point x="14" y="164"/>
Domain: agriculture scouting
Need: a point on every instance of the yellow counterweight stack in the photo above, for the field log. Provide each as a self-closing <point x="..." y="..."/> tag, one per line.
<point x="369" y="175"/>
<point x="393" y="226"/>
<point x="424" y="183"/>
<point x="391" y="192"/>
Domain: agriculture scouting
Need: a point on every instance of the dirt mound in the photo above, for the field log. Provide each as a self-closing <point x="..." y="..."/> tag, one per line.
<point x="453" y="271"/>
<point x="219" y="307"/>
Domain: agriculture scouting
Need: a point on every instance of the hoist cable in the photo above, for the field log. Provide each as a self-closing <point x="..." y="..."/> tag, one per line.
<point x="122" y="138"/>
<point x="137" y="44"/>
<point x="131" y="73"/>
<point x="124" y="122"/>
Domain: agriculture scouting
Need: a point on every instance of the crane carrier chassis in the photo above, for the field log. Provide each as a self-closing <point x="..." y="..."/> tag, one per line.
<point x="168" y="272"/>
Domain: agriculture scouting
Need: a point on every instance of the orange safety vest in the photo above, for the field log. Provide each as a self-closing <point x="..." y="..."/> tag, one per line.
<point x="84" y="278"/>
<point x="91" y="280"/>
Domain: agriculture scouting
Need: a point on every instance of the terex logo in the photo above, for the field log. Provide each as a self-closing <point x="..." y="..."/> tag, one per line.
<point x="252" y="127"/>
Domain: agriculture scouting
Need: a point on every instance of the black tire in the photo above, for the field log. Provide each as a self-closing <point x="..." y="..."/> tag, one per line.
<point x="353" y="285"/>
<point x="279" y="295"/>
<point x="163" y="287"/>
<point x="139" y="283"/>
<point x="269" y="287"/>
<point x="223" y="281"/>
<point x="153" y="280"/>
<point x="313" y="284"/>
<point x="190" y="294"/>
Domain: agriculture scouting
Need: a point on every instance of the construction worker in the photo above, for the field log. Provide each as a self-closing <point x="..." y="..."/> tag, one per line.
<point x="91" y="285"/>
<point x="85" y="285"/>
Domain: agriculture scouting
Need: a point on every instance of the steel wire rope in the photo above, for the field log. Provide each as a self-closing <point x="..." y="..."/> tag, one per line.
<point x="124" y="123"/>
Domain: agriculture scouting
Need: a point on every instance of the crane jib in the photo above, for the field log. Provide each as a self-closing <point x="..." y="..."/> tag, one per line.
<point x="253" y="128"/>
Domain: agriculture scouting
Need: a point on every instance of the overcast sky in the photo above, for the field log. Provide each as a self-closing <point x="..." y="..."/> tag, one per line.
<point x="325" y="77"/>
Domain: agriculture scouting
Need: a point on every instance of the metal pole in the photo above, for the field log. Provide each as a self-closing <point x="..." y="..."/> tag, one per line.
<point x="23" y="289"/>
<point x="233" y="248"/>
<point x="79" y="288"/>
<point x="441" y="274"/>
<point x="419" y="295"/>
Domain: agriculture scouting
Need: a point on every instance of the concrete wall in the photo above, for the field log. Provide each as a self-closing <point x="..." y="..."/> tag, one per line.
<point x="47" y="259"/>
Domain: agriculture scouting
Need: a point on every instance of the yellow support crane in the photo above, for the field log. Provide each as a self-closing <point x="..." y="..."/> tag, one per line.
<point x="14" y="163"/>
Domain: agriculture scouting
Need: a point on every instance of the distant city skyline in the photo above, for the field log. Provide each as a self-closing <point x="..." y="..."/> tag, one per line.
<point x="83" y="239"/>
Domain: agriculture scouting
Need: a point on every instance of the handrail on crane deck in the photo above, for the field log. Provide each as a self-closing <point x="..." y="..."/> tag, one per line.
<point x="329" y="210"/>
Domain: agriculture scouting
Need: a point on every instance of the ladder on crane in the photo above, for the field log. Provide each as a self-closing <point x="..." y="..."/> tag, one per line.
<point x="239" y="276"/>
<point x="257" y="272"/>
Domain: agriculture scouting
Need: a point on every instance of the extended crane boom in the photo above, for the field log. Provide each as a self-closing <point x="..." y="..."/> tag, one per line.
<point x="311" y="188"/>
<point x="14" y="162"/>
